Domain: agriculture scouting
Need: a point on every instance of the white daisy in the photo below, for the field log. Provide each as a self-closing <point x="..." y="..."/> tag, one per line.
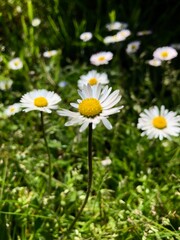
<point x="15" y="64"/>
<point x="101" y="58"/>
<point x="118" y="37"/>
<point x="155" y="62"/>
<point x="13" y="109"/>
<point x="95" y="105"/>
<point x="106" y="162"/>
<point x="115" y="38"/>
<point x="124" y="33"/>
<point x="36" y="22"/>
<point x="41" y="100"/>
<point x="50" y="53"/>
<point x="5" y="84"/>
<point x="86" y="36"/>
<point x="159" y="123"/>
<point x="132" y="47"/>
<point x="165" y="53"/>
<point x="93" y="78"/>
<point x="116" y="26"/>
<point x="143" y="33"/>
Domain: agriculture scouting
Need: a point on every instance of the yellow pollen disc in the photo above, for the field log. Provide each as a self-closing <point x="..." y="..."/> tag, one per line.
<point x="102" y="58"/>
<point x="164" y="54"/>
<point x="114" y="37"/>
<point x="159" y="122"/>
<point x="16" y="63"/>
<point x="40" y="102"/>
<point x="12" y="109"/>
<point x="90" y="107"/>
<point x="92" y="81"/>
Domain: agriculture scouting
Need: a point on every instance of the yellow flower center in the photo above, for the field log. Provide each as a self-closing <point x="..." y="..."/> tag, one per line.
<point x="133" y="47"/>
<point x="115" y="37"/>
<point x="12" y="109"/>
<point x="102" y="58"/>
<point x="92" y="81"/>
<point x="16" y="63"/>
<point x="159" y="122"/>
<point x="40" y="102"/>
<point x="90" y="107"/>
<point x="164" y="54"/>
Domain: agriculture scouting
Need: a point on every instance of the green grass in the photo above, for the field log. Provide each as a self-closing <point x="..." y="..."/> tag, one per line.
<point x="134" y="198"/>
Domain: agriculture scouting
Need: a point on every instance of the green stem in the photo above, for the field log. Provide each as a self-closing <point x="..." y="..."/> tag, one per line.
<point x="48" y="152"/>
<point x="90" y="174"/>
<point x="4" y="177"/>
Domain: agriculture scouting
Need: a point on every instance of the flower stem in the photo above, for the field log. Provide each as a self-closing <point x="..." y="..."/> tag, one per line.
<point x="48" y="152"/>
<point x="90" y="174"/>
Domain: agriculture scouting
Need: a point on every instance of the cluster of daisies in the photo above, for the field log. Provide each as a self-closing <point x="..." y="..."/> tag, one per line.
<point x="95" y="104"/>
<point x="97" y="101"/>
<point x="122" y="33"/>
<point x="159" y="55"/>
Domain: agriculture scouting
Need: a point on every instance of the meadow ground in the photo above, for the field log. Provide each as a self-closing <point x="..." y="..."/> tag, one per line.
<point x="45" y="166"/>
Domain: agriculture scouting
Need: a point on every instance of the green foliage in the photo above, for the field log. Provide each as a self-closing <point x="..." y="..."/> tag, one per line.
<point x="137" y="195"/>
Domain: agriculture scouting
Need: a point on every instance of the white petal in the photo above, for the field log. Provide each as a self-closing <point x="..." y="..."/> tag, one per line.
<point x="106" y="123"/>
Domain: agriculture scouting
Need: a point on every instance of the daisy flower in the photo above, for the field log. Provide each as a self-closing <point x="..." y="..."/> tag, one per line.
<point x="93" y="78"/>
<point x="143" y="33"/>
<point x="41" y="100"/>
<point x="95" y="105"/>
<point x="118" y="37"/>
<point x="15" y="64"/>
<point x="101" y="58"/>
<point x="86" y="36"/>
<point x="155" y="62"/>
<point x="13" y="109"/>
<point x="132" y="47"/>
<point x="165" y="53"/>
<point x="5" y="84"/>
<point x="116" y="26"/>
<point x="159" y="123"/>
<point x="36" y="22"/>
<point x="48" y="54"/>
<point x="124" y="33"/>
<point x="106" y="162"/>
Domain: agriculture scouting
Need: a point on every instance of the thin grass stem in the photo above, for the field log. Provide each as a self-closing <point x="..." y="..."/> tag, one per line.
<point x="90" y="175"/>
<point x="48" y="152"/>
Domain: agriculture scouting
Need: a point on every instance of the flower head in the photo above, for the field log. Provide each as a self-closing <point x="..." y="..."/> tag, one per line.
<point x="165" y="53"/>
<point x="6" y="84"/>
<point x="86" y="36"/>
<point x="155" y="62"/>
<point x="132" y="47"/>
<point x="50" y="53"/>
<point x="93" y="78"/>
<point x="116" y="26"/>
<point x="118" y="37"/>
<point x="124" y="33"/>
<point x="41" y="100"/>
<point x="143" y="33"/>
<point x="15" y="64"/>
<point x="36" y="22"/>
<point x="95" y="105"/>
<point x="106" y="162"/>
<point x="159" y="123"/>
<point x="13" y="109"/>
<point x="101" y="58"/>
